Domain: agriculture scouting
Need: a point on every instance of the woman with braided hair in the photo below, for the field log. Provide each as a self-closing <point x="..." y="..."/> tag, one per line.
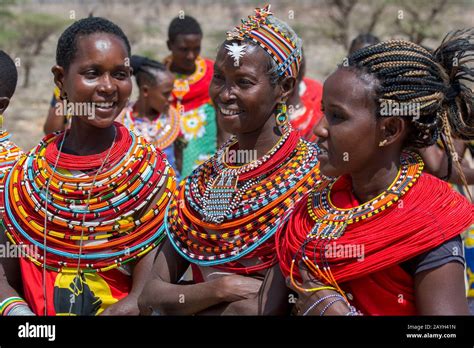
<point x="379" y="236"/>
<point x="152" y="116"/>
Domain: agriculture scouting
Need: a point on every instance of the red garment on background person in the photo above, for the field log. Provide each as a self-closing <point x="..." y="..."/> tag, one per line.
<point x="432" y="213"/>
<point x="311" y="93"/>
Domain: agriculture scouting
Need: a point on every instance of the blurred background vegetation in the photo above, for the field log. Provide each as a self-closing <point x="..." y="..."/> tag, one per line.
<point x="29" y="30"/>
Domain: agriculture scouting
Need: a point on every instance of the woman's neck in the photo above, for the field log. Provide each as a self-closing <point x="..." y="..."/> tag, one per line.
<point x="144" y="111"/>
<point x="84" y="139"/>
<point x="374" y="179"/>
<point x="261" y="140"/>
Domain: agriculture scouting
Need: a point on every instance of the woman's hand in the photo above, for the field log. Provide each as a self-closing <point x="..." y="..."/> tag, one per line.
<point x="305" y="305"/>
<point x="236" y="287"/>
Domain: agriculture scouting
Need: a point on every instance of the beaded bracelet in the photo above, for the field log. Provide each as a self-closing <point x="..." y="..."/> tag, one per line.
<point x="20" y="309"/>
<point x="330" y="304"/>
<point x="353" y="311"/>
<point x="319" y="301"/>
<point x="9" y="303"/>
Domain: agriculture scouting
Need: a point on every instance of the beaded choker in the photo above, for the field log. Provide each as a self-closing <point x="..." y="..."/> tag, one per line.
<point x="256" y="202"/>
<point x="113" y="216"/>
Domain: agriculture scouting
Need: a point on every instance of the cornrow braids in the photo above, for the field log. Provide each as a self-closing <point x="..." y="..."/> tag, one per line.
<point x="434" y="82"/>
<point x="145" y="69"/>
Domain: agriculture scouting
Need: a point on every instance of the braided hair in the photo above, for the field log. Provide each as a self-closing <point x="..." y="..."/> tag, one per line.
<point x="434" y="82"/>
<point x="145" y="70"/>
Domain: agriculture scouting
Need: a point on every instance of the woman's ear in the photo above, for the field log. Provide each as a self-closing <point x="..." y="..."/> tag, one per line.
<point x="392" y="130"/>
<point x="58" y="72"/>
<point x="286" y="87"/>
<point x="145" y="89"/>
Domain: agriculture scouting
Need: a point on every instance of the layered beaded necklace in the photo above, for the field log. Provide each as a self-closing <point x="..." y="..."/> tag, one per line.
<point x="222" y="213"/>
<point x="161" y="132"/>
<point x="9" y="154"/>
<point x="331" y="222"/>
<point x="78" y="209"/>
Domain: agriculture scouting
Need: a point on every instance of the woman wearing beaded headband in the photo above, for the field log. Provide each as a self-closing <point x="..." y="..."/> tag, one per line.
<point x="223" y="217"/>
<point x="399" y="253"/>
<point x="89" y="203"/>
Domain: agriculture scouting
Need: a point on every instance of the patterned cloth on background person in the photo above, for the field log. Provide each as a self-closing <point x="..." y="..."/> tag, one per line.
<point x="198" y="117"/>
<point x="161" y="132"/>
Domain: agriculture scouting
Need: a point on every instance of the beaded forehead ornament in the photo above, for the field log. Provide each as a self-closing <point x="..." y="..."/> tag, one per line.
<point x="259" y="29"/>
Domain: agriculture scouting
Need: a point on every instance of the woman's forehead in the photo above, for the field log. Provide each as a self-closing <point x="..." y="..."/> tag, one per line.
<point x="245" y="58"/>
<point x="101" y="45"/>
<point x="344" y="87"/>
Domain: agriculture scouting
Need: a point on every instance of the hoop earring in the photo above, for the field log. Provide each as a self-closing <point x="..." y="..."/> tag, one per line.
<point x="281" y="116"/>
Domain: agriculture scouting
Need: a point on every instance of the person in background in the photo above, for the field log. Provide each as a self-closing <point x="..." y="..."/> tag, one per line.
<point x="152" y="116"/>
<point x="361" y="41"/>
<point x="304" y="104"/>
<point x="193" y="75"/>
<point x="9" y="151"/>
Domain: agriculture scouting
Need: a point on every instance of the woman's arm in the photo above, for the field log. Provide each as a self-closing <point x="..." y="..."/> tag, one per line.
<point x="10" y="273"/>
<point x="441" y="291"/>
<point x="272" y="299"/>
<point x="54" y="122"/>
<point x="437" y="163"/>
<point x="162" y="293"/>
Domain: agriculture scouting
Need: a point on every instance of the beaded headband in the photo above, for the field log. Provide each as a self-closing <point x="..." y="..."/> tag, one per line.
<point x="260" y="30"/>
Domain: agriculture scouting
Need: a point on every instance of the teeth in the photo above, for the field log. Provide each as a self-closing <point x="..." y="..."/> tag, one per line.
<point x="228" y="112"/>
<point x="104" y="105"/>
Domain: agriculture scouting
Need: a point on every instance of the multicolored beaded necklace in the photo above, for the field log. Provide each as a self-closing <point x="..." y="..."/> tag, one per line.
<point x="9" y="154"/>
<point x="222" y="213"/>
<point x="104" y="210"/>
<point x="182" y="81"/>
<point x="161" y="132"/>
<point x="331" y="222"/>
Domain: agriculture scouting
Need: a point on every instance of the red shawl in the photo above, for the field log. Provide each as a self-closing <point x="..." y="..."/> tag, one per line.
<point x="429" y="214"/>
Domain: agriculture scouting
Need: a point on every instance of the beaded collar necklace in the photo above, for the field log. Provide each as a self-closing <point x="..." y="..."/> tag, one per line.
<point x="331" y="221"/>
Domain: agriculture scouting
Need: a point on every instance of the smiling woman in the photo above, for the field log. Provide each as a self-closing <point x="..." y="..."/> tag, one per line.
<point x="223" y="218"/>
<point x="91" y="200"/>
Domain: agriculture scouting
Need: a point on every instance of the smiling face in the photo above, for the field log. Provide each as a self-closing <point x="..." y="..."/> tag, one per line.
<point x="98" y="75"/>
<point x="349" y="133"/>
<point x="243" y="95"/>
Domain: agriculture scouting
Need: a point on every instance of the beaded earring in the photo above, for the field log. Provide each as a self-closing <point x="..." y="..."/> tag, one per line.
<point x="282" y="116"/>
<point x="1" y="124"/>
